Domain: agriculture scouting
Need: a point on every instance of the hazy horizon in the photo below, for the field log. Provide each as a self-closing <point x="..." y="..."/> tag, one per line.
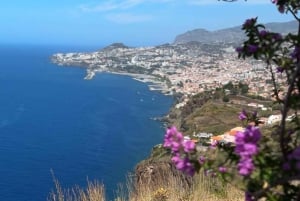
<point x="132" y="22"/>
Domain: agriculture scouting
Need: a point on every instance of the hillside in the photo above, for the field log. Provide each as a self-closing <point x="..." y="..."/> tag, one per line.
<point x="229" y="35"/>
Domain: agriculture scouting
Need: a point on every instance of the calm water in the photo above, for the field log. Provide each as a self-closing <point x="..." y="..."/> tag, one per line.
<point x="50" y="118"/>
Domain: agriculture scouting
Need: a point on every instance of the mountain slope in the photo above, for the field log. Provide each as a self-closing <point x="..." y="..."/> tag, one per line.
<point x="229" y="35"/>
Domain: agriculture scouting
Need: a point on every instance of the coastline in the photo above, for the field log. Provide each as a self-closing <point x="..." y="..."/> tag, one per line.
<point x="172" y="69"/>
<point x="151" y="81"/>
<point x="152" y="86"/>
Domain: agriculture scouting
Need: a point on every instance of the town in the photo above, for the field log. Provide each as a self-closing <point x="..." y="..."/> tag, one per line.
<point x="188" y="68"/>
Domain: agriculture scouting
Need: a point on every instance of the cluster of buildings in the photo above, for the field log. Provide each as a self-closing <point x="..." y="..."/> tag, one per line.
<point x="205" y="139"/>
<point x="227" y="137"/>
<point x="185" y="68"/>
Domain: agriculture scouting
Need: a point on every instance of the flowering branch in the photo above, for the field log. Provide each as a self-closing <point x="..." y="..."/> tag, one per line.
<point x="293" y="13"/>
<point x="266" y="168"/>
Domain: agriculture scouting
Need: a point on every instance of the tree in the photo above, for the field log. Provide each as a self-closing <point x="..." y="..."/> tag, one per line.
<point x="225" y="99"/>
<point x="180" y="84"/>
<point x="228" y="86"/>
<point x="243" y="88"/>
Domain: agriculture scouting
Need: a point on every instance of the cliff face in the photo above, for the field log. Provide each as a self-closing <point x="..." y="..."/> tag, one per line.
<point x="153" y="173"/>
<point x="158" y="169"/>
<point x="202" y="113"/>
<point x="230" y="35"/>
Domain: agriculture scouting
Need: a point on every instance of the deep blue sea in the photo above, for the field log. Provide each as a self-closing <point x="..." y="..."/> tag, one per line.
<point x="51" y="118"/>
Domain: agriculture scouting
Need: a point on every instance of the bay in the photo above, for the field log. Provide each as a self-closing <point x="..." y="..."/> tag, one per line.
<point x="53" y="119"/>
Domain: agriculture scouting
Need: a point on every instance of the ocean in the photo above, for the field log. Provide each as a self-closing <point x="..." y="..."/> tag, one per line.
<point x="53" y="119"/>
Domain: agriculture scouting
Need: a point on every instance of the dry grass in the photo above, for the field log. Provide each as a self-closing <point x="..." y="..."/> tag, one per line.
<point x="213" y="189"/>
<point x="93" y="192"/>
<point x="173" y="188"/>
<point x="163" y="188"/>
<point x="166" y="188"/>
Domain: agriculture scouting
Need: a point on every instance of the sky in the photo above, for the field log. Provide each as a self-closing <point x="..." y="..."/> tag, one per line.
<point x="132" y="22"/>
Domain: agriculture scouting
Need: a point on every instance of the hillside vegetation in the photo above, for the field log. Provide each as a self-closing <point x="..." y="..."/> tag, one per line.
<point x="208" y="112"/>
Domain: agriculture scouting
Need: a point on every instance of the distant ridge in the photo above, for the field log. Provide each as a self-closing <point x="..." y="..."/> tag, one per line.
<point x="230" y="35"/>
<point x="115" y="45"/>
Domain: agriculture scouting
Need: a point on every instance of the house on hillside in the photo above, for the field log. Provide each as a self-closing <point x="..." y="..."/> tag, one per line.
<point x="227" y="137"/>
<point x="203" y="135"/>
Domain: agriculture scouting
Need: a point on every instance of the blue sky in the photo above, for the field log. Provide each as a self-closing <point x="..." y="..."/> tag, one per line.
<point x="133" y="22"/>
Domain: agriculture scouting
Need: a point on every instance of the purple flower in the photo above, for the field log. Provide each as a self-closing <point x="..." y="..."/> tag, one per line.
<point x="245" y="166"/>
<point x="277" y="36"/>
<point x="249" y="22"/>
<point x="293" y="161"/>
<point x="248" y="197"/>
<point x="286" y="166"/>
<point x="239" y="49"/>
<point x="201" y="160"/>
<point x="298" y="165"/>
<point x="239" y="138"/>
<point x="188" y="146"/>
<point x="183" y="164"/>
<point x="279" y="69"/>
<point x="296" y="154"/>
<point x="252" y="48"/>
<point x="168" y="136"/>
<point x="281" y="8"/>
<point x="222" y="169"/>
<point x="246" y="147"/>
<point x="178" y="161"/>
<point x="243" y="115"/>
<point x="296" y="53"/>
<point x="175" y="146"/>
<point x="249" y="149"/>
<point x="263" y="33"/>
<point x="252" y="134"/>
<point x="173" y="139"/>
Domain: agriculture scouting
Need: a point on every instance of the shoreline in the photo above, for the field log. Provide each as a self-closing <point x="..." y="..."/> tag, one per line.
<point x="153" y="85"/>
<point x="172" y="69"/>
